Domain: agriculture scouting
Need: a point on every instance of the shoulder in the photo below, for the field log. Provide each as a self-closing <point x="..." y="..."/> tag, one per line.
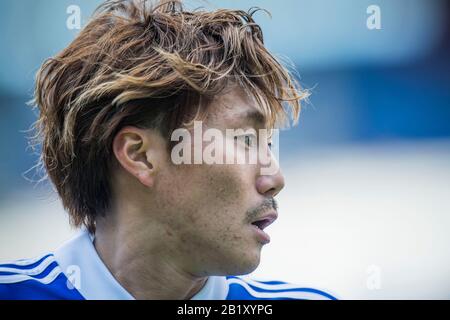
<point x="244" y="288"/>
<point x="38" y="278"/>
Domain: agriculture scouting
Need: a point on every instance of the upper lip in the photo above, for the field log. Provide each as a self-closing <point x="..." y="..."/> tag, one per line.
<point x="265" y="220"/>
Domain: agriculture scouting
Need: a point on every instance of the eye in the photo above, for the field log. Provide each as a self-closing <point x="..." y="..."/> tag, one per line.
<point x="249" y="140"/>
<point x="270" y="145"/>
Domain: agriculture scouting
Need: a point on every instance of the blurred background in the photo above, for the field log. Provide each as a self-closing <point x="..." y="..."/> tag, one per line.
<point x="366" y="209"/>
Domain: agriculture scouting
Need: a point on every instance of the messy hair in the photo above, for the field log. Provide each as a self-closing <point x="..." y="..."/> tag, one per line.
<point x="150" y="65"/>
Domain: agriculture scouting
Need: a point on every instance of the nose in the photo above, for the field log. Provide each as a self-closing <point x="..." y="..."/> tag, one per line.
<point x="270" y="185"/>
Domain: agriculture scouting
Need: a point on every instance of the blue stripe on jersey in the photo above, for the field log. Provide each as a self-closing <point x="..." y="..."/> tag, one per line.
<point x="298" y="289"/>
<point x="238" y="291"/>
<point x="271" y="282"/>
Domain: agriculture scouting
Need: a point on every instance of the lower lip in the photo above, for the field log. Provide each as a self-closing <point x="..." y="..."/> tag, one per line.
<point x="263" y="237"/>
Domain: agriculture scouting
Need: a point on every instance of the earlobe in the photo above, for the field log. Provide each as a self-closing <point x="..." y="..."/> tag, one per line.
<point x="146" y="178"/>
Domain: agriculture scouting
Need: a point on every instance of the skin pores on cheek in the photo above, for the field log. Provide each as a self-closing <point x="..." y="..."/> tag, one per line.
<point x="210" y="217"/>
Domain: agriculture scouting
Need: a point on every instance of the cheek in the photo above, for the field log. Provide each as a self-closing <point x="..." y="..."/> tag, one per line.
<point x="230" y="186"/>
<point x="207" y="202"/>
<point x="224" y="197"/>
<point x="226" y="185"/>
<point x="208" y="207"/>
<point x="216" y="196"/>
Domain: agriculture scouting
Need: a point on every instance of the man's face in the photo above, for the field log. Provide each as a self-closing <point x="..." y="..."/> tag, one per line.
<point x="211" y="211"/>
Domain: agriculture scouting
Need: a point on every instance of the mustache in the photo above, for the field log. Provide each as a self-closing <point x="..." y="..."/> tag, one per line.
<point x="267" y="204"/>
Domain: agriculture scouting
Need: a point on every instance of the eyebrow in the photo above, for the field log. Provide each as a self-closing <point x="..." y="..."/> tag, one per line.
<point x="255" y="116"/>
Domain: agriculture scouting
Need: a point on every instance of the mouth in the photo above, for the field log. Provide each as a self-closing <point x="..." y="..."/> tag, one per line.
<point x="265" y="221"/>
<point x="260" y="223"/>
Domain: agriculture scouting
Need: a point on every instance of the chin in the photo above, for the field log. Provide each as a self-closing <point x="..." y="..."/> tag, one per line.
<point x="245" y="262"/>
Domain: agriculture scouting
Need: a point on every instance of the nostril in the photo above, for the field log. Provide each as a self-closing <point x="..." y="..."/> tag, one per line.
<point x="271" y="192"/>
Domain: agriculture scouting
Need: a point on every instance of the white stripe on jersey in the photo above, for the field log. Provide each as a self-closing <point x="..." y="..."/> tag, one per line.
<point x="22" y="277"/>
<point x="23" y="262"/>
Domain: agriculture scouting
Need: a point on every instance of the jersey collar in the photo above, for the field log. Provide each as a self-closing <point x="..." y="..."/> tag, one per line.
<point x="83" y="267"/>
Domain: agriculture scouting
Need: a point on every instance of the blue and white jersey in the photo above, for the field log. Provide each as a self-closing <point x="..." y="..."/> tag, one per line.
<point x="75" y="271"/>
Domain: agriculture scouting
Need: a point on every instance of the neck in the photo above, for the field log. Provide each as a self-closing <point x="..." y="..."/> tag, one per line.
<point x="145" y="260"/>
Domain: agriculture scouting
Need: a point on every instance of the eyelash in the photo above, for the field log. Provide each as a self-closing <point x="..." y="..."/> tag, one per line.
<point x="249" y="140"/>
<point x="248" y="144"/>
<point x="245" y="137"/>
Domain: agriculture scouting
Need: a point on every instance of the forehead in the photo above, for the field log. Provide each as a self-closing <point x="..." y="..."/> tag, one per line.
<point x="236" y="105"/>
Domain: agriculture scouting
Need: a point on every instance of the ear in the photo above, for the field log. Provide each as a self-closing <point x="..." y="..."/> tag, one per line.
<point x="139" y="152"/>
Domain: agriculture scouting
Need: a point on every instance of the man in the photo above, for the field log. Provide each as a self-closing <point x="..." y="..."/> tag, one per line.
<point x="113" y="107"/>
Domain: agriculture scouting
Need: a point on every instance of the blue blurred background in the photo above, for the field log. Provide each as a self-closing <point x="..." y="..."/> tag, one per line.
<point x="365" y="212"/>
